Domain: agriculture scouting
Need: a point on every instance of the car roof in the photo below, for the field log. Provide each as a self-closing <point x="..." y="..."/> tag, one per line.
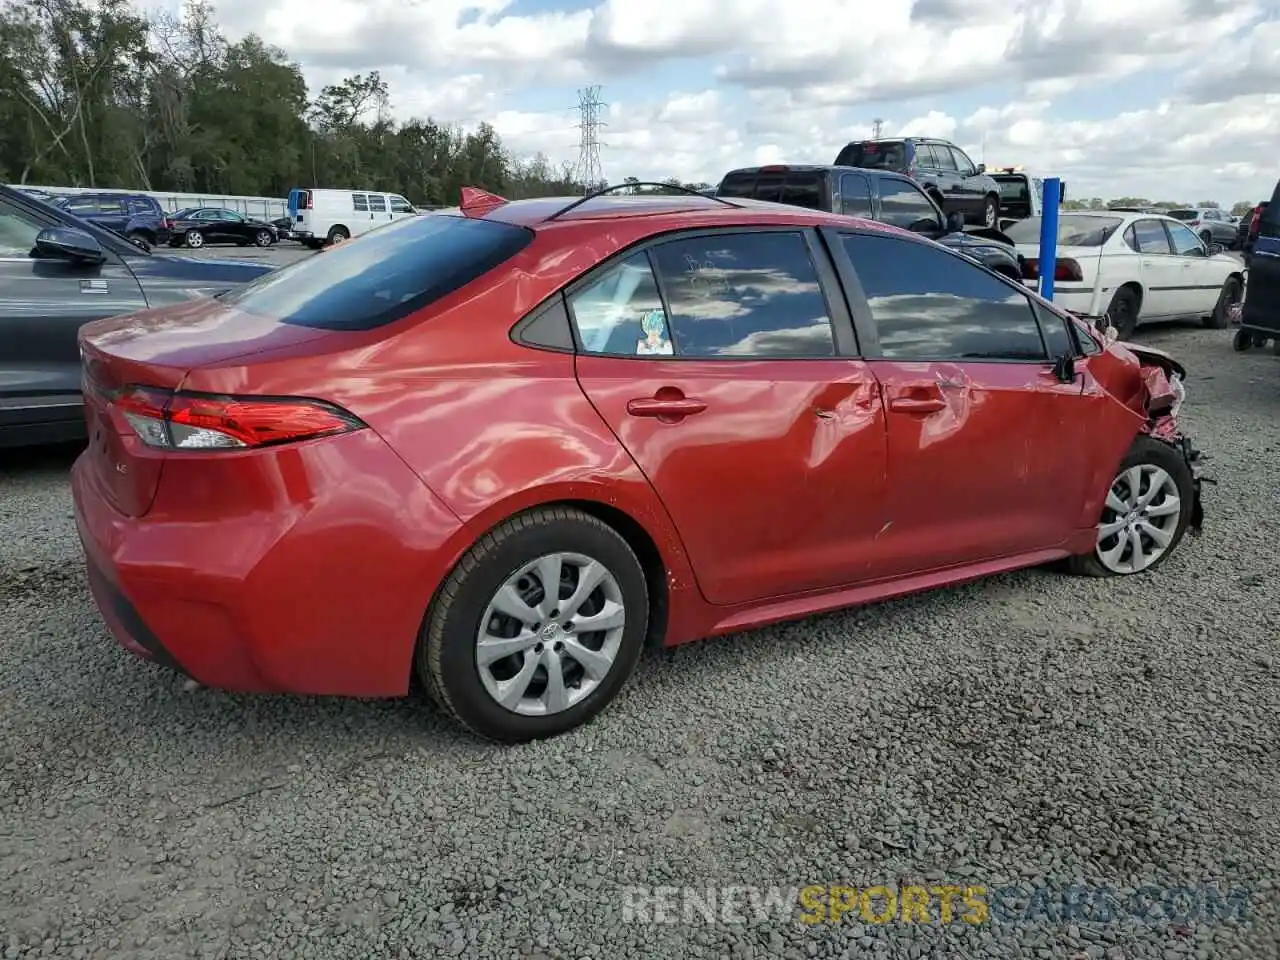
<point x="815" y="167"/>
<point x="669" y="213"/>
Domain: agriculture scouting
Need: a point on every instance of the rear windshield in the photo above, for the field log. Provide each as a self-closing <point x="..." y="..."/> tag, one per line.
<point x="1013" y="188"/>
<point x="799" y="188"/>
<point x="1184" y="214"/>
<point x="878" y="154"/>
<point x="1073" y="231"/>
<point x="384" y="275"/>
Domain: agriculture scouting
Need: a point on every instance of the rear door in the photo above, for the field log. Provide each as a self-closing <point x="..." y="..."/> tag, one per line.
<point x="725" y="363"/>
<point x="1262" y="298"/>
<point x="43" y="304"/>
<point x="977" y="465"/>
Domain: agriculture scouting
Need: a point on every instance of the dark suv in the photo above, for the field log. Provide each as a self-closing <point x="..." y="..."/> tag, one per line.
<point x="955" y="182"/>
<point x="1261" y="312"/>
<point x="871" y="194"/>
<point x="135" y="214"/>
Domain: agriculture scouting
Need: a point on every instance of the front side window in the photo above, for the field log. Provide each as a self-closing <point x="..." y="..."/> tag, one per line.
<point x="903" y="204"/>
<point x="18" y="230"/>
<point x="401" y="205"/>
<point x="962" y="162"/>
<point x="929" y="304"/>
<point x="1185" y="242"/>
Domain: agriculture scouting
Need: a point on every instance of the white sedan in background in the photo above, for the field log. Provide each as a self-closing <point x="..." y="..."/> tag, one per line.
<point x="1134" y="267"/>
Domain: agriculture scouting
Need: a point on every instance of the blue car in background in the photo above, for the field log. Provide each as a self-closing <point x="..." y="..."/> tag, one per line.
<point x="58" y="272"/>
<point x="136" y="215"/>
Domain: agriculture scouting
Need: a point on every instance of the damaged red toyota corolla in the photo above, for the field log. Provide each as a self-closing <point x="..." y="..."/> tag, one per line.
<point x="506" y="447"/>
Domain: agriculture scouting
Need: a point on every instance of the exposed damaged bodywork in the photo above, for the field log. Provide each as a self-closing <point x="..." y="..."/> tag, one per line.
<point x="1163" y="385"/>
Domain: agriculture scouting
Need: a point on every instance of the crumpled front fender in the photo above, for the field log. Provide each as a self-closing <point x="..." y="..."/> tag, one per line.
<point x="1164" y="393"/>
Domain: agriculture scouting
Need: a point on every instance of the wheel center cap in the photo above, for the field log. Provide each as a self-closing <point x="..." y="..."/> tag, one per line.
<point x="550" y="632"/>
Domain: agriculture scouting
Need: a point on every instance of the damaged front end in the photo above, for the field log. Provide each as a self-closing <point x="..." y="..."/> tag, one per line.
<point x="1164" y="390"/>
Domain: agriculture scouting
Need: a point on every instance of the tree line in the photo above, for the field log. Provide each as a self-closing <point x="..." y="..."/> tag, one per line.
<point x="95" y="94"/>
<point x="1238" y="209"/>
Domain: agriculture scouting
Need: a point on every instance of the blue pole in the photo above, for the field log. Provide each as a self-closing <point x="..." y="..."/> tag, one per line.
<point x="1049" y="235"/>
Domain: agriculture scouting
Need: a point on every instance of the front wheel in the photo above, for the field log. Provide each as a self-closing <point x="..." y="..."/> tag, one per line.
<point x="262" y="238"/>
<point x="1145" y="514"/>
<point x="537" y="628"/>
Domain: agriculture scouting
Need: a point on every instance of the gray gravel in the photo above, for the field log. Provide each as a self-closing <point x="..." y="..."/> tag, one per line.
<point x="1033" y="729"/>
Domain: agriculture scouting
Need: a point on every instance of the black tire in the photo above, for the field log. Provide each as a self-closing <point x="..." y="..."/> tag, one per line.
<point x="194" y="239"/>
<point x="991" y="212"/>
<point x="337" y="235"/>
<point x="1123" y="312"/>
<point x="1242" y="341"/>
<point x="147" y="238"/>
<point x="446" y="655"/>
<point x="263" y="238"/>
<point x="1146" y="450"/>
<point x="1232" y="293"/>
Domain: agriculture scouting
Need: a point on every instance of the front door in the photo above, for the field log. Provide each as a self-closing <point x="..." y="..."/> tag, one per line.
<point x="977" y="466"/>
<point x="1200" y="279"/>
<point x="765" y="444"/>
<point x="45" y="304"/>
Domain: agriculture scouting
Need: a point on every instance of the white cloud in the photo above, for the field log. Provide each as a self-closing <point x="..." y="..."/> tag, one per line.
<point x="752" y="86"/>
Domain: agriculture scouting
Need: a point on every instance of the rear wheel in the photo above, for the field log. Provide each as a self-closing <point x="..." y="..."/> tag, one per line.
<point x="1232" y="293"/>
<point x="537" y="628"/>
<point x="1123" y="312"/>
<point x="194" y="239"/>
<point x="991" y="212"/>
<point x="262" y="238"/>
<point x="1146" y="512"/>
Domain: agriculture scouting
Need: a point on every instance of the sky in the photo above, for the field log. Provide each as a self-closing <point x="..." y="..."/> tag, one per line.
<point x="1162" y="99"/>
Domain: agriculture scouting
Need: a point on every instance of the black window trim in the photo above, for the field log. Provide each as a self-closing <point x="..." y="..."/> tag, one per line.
<point x="844" y="333"/>
<point x="864" y="322"/>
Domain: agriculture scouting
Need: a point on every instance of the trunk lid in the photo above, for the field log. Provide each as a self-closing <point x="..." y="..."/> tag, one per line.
<point x="158" y="348"/>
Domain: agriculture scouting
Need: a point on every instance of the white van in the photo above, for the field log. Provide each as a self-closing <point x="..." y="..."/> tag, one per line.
<point x="331" y="216"/>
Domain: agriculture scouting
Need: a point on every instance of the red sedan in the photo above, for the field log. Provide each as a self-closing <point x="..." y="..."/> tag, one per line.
<point x="505" y="447"/>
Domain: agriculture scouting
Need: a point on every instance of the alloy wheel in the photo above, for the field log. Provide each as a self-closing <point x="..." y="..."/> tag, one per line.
<point x="550" y="634"/>
<point x="1139" y="520"/>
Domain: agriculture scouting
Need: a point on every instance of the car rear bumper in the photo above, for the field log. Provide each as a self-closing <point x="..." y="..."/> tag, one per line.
<point x="304" y="569"/>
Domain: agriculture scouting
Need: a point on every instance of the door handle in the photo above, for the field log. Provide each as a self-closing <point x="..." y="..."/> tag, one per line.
<point x="917" y="404"/>
<point x="662" y="407"/>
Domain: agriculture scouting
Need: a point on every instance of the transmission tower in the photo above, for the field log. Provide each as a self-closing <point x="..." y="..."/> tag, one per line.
<point x="876" y="126"/>
<point x="589" y="171"/>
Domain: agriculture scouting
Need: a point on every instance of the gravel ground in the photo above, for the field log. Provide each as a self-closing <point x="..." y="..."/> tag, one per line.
<point x="1033" y="729"/>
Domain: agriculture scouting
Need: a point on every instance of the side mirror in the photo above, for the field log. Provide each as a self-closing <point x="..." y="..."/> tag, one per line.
<point x="1214" y="249"/>
<point x="982" y="168"/>
<point x="1064" y="368"/>
<point x="67" y="243"/>
<point x="955" y="222"/>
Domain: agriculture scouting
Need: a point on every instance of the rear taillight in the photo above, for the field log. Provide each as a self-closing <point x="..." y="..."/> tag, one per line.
<point x="1064" y="269"/>
<point x="308" y="199"/>
<point x="1256" y="219"/>
<point x="180" y="420"/>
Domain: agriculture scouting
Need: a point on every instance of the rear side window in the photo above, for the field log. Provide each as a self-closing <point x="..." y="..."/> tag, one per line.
<point x="388" y="274"/>
<point x="879" y="154"/>
<point x="797" y="188"/>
